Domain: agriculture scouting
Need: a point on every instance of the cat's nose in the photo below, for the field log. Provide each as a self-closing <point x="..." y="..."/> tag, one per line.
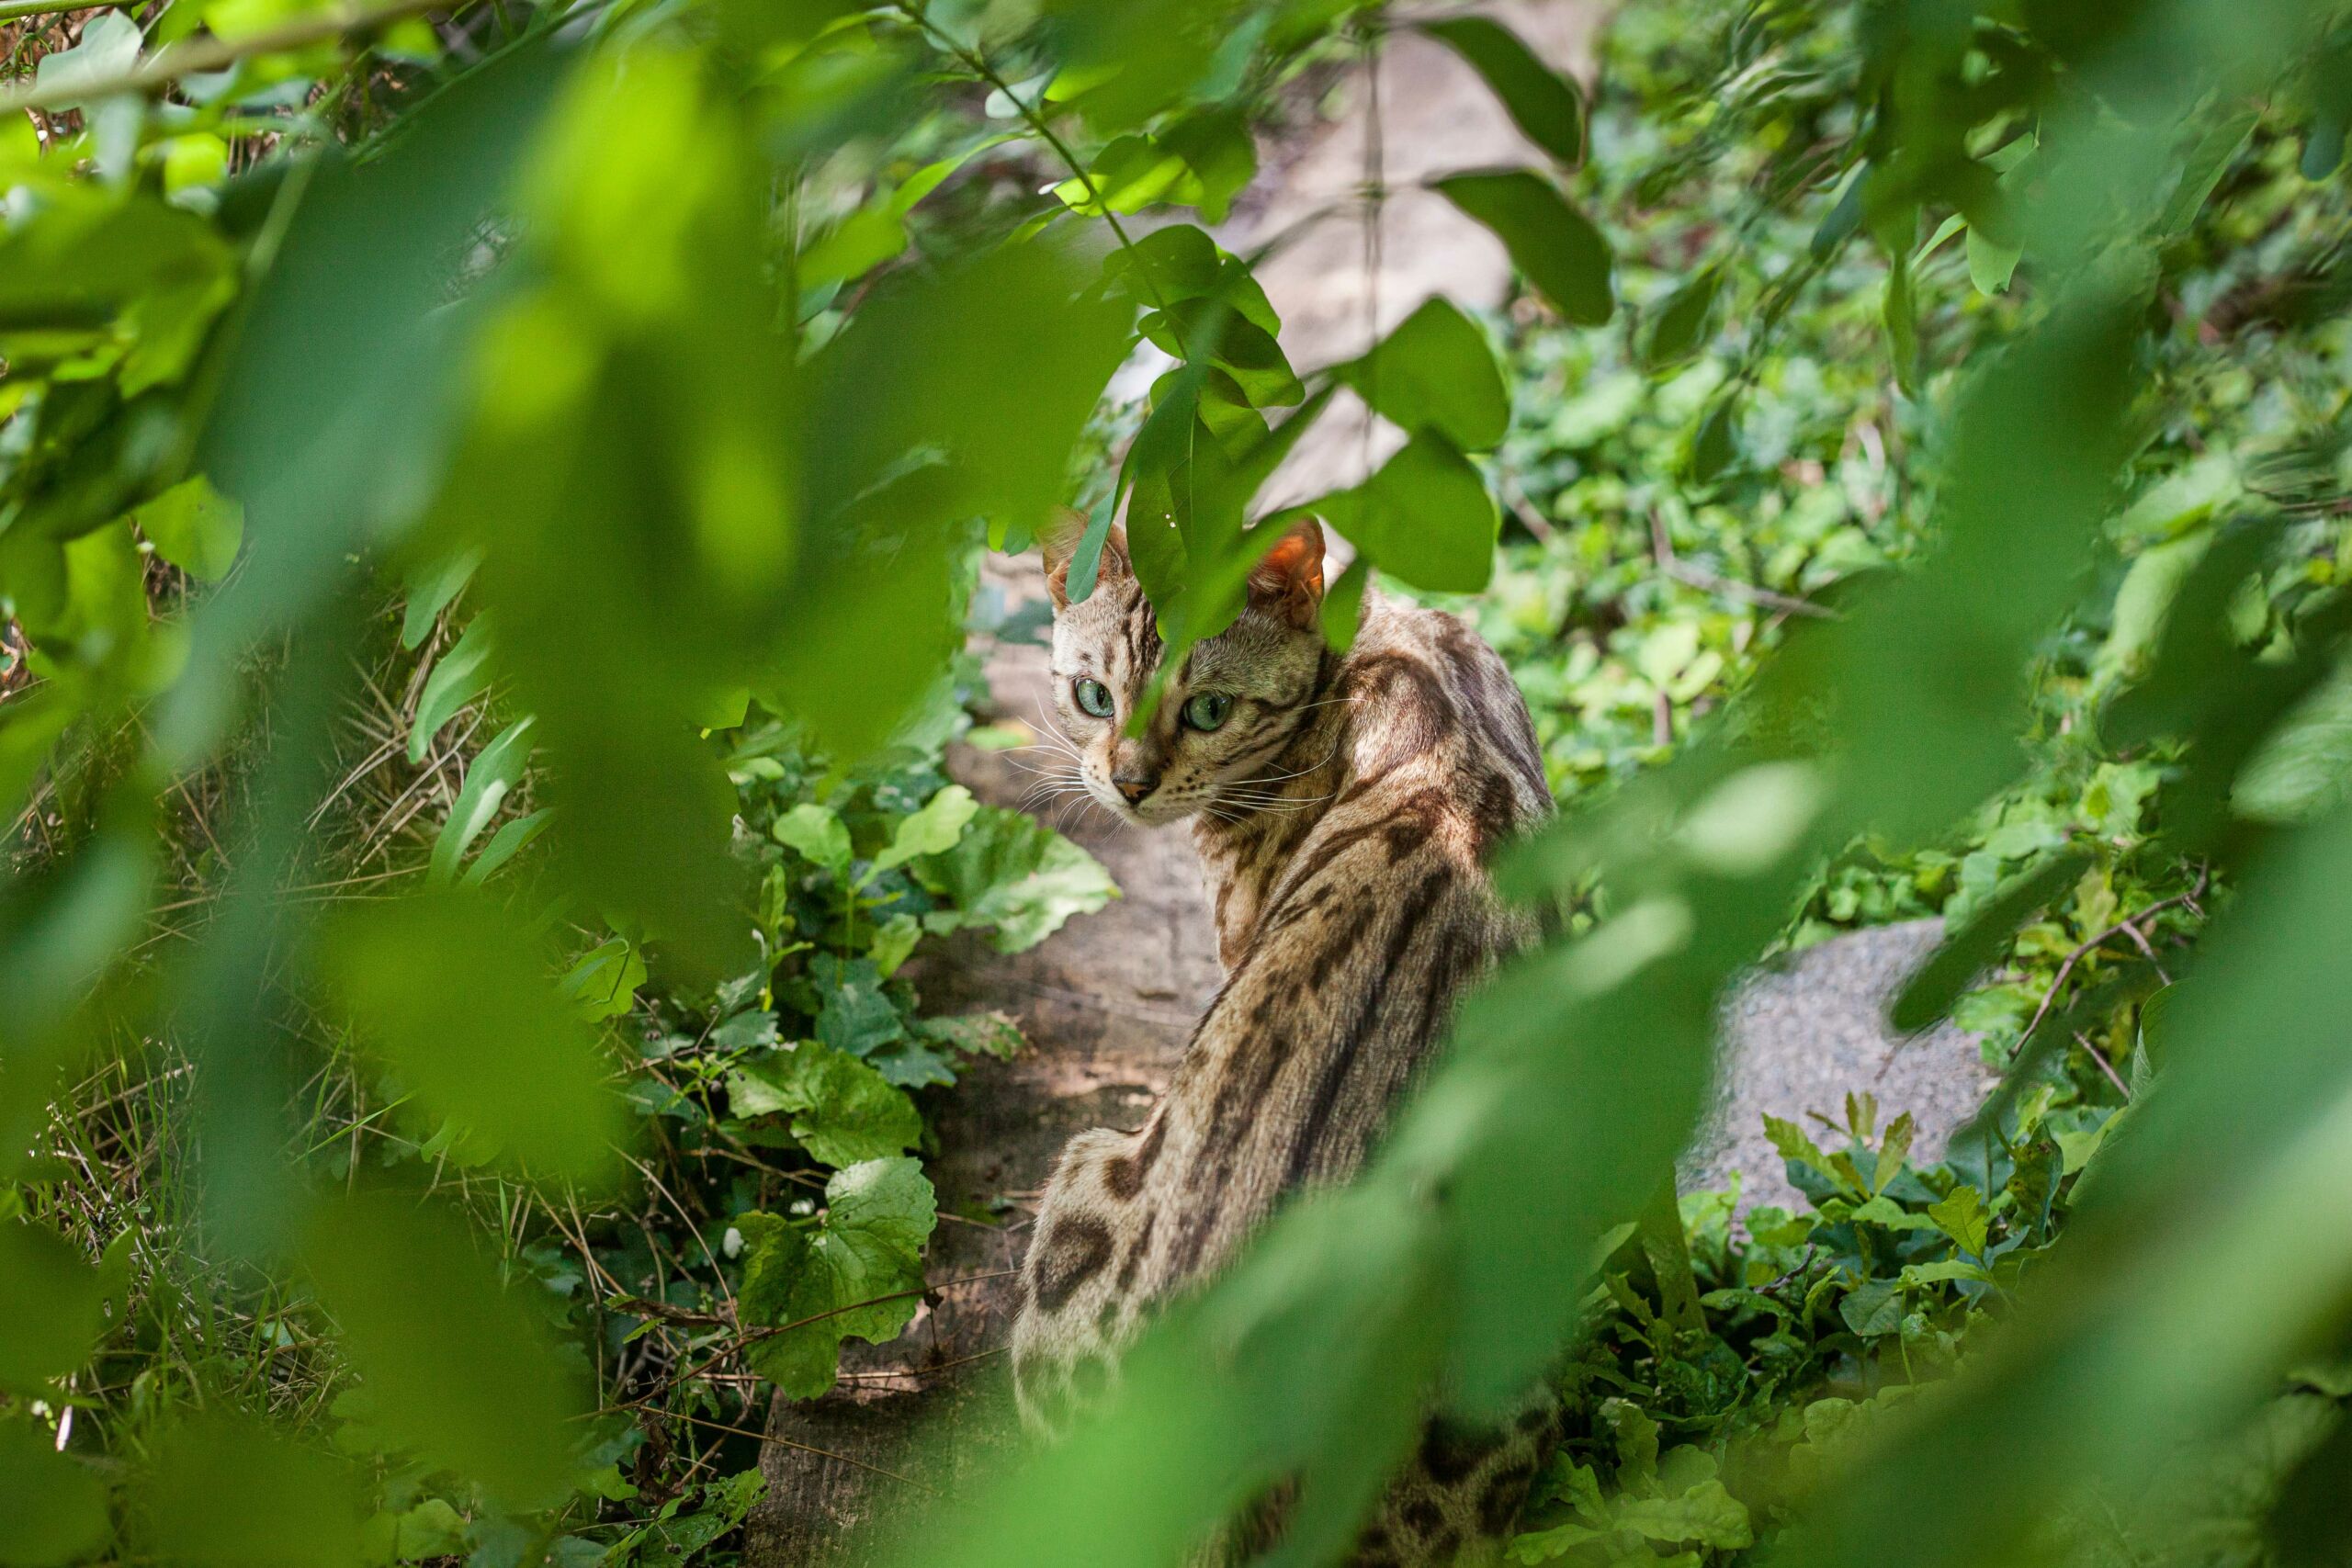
<point x="1134" y="789"/>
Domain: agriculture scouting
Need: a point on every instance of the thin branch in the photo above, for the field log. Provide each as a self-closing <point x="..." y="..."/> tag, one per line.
<point x="2096" y="1055"/>
<point x="215" y="54"/>
<point x="1699" y="576"/>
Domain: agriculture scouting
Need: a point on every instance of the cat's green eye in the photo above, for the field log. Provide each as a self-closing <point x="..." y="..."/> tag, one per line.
<point x="1208" y="710"/>
<point x="1093" y="697"/>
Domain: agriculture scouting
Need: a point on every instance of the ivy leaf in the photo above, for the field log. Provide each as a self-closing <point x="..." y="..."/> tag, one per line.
<point x="108" y="48"/>
<point x="1436" y="372"/>
<point x="817" y="833"/>
<point x="1016" y="874"/>
<point x="930" y="832"/>
<point x="858" y="1274"/>
<point x="1543" y="104"/>
<point x="1554" y="244"/>
<point x="1425" y="516"/>
<point x="1962" y="1216"/>
<point x="841" y="1110"/>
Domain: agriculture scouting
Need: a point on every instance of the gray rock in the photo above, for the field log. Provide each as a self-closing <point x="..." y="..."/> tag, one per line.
<point x="1801" y="1036"/>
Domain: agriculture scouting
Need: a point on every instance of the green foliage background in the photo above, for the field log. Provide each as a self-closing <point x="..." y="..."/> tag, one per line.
<point x="488" y="498"/>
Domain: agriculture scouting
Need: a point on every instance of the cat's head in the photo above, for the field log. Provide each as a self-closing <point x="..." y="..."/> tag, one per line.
<point x="1237" y="699"/>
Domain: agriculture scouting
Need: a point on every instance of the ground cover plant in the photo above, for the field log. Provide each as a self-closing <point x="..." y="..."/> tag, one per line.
<point x="487" y="526"/>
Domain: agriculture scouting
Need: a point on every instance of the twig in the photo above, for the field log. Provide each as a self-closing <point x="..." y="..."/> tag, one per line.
<point x="2131" y="924"/>
<point x="214" y="54"/>
<point x="788" y="1443"/>
<point x="1699" y="576"/>
<point x="2105" y="1066"/>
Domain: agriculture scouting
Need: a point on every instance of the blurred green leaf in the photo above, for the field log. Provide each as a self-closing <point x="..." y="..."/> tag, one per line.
<point x="455" y="1366"/>
<point x="194" y="527"/>
<point x="1554" y="244"/>
<point x="50" y="1304"/>
<point x="1012" y="872"/>
<point x="226" y="1492"/>
<point x="463" y="1009"/>
<point x="55" y="1508"/>
<point x="1543" y="104"/>
<point x="493" y="770"/>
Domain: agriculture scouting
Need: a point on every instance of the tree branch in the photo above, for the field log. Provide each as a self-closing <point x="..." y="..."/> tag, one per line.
<point x="215" y="54"/>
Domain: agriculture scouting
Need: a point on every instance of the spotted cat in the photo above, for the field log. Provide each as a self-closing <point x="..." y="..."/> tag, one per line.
<point x="1345" y="806"/>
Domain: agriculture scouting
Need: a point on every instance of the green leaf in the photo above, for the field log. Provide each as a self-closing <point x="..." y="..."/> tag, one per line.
<point x="2306" y="765"/>
<point x="456" y="1367"/>
<point x="495" y="770"/>
<point x="1554" y="244"/>
<point x="55" y="1508"/>
<point x="510" y="840"/>
<point x="1917" y="1275"/>
<point x="431" y="585"/>
<point x="894" y="941"/>
<point x="459" y="677"/>
<point x="858" y="1275"/>
<point x="841" y="1110"/>
<point x="1982" y="941"/>
<point x="1962" y="1215"/>
<point x="195" y="527"/>
<point x="1991" y="265"/>
<point x="1681" y="323"/>
<point x="1342" y="609"/>
<point x="462" y="1009"/>
<point x="1016" y="874"/>
<point x="1542" y="103"/>
<point x="930" y="832"/>
<point x="1872" y="1308"/>
<point x="853" y="1013"/>
<point x="602" y="984"/>
<point x="1892" y="1150"/>
<point x="976" y="1034"/>
<point x="1424" y="516"/>
<point x="1885" y="1211"/>
<point x="1435" y="372"/>
<point x="1706" y="1514"/>
<point x="107" y="49"/>
<point x="817" y="833"/>
<point x="51" y="1303"/>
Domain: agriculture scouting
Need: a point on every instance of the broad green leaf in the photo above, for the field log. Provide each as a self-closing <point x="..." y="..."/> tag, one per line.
<point x="1706" y="1514"/>
<point x="1920" y="1275"/>
<point x="463" y="1010"/>
<point x="858" y="1274"/>
<point x="603" y="982"/>
<point x="51" y="1307"/>
<point x="107" y="49"/>
<point x="930" y="832"/>
<point x="54" y="1505"/>
<point x="1425" y="516"/>
<point x="840" y="1109"/>
<point x="1013" y="872"/>
<point x="431" y="585"/>
<point x="1435" y="372"/>
<point x="229" y="1492"/>
<point x="1554" y="244"/>
<point x="1991" y="265"/>
<point x="1885" y="1211"/>
<point x="2305" y="766"/>
<point x="976" y="1034"/>
<point x="853" y="1013"/>
<point x="1543" y="104"/>
<point x="493" y="770"/>
<point x="194" y="527"/>
<point x="457" y="1368"/>
<point x="817" y="832"/>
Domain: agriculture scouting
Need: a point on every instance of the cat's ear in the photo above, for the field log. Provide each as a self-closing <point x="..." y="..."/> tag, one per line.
<point x="1288" y="579"/>
<point x="1060" y="540"/>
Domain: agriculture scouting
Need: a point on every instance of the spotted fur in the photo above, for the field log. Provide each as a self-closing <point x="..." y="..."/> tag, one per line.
<point x="1345" y="812"/>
